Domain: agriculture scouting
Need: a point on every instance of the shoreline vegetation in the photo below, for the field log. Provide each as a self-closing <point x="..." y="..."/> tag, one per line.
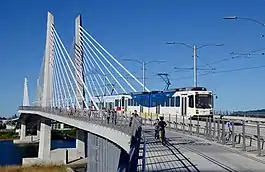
<point x="34" y="168"/>
<point x="9" y="135"/>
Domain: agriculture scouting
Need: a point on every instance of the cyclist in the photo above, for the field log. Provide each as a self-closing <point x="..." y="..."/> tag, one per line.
<point x="229" y="133"/>
<point x="162" y="125"/>
<point x="229" y="126"/>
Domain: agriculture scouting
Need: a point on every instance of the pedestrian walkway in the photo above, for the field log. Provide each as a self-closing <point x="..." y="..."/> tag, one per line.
<point x="164" y="158"/>
<point x="189" y="153"/>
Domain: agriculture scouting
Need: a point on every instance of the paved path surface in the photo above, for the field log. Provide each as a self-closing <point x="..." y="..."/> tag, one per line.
<point x="189" y="153"/>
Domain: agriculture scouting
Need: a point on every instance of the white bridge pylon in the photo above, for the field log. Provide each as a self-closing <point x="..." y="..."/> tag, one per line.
<point x="74" y="80"/>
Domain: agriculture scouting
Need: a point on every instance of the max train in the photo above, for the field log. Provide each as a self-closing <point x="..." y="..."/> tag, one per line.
<point x="190" y="102"/>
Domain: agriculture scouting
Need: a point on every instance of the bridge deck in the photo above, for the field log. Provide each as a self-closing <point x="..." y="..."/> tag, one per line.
<point x="189" y="153"/>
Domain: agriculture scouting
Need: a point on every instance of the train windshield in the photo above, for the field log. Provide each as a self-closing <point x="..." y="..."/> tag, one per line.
<point x="203" y="101"/>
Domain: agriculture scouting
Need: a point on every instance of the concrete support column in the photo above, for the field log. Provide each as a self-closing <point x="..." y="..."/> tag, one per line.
<point x="102" y="154"/>
<point x="45" y="139"/>
<point x="80" y="142"/>
<point x="62" y="126"/>
<point x="22" y="130"/>
<point x="38" y="129"/>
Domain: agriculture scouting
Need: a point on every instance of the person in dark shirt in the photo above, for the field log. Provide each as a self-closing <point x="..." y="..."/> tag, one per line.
<point x="133" y="116"/>
<point x="162" y="125"/>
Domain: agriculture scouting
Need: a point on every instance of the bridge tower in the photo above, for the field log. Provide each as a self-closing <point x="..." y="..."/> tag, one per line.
<point x="48" y="64"/>
<point x="26" y="93"/>
<point x="45" y="124"/>
<point x="25" y="103"/>
<point x="79" y="63"/>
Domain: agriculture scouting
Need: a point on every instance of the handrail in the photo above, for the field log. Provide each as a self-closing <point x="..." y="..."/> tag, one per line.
<point x="144" y="154"/>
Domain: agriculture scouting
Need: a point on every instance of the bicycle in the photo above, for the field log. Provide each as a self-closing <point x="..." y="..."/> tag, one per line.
<point x="162" y="136"/>
<point x="228" y="136"/>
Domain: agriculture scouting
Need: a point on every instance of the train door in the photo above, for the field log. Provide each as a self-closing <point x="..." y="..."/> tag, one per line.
<point x="184" y="105"/>
<point x="122" y="103"/>
<point x="141" y="109"/>
<point x="158" y="109"/>
<point x="125" y="105"/>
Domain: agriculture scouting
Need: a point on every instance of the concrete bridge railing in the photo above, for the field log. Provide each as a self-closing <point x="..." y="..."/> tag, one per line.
<point x="120" y="121"/>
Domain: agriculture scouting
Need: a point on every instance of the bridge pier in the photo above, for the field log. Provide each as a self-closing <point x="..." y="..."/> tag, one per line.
<point x="62" y="126"/>
<point x="45" y="139"/>
<point x="22" y="130"/>
<point x="81" y="142"/>
<point x="102" y="154"/>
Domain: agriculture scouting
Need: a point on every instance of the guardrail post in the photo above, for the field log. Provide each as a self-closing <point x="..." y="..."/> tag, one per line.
<point x="233" y="134"/>
<point x="214" y="129"/>
<point x="126" y="118"/>
<point x="210" y="128"/>
<point x="190" y="126"/>
<point x="176" y="122"/>
<point x="169" y="118"/>
<point x="218" y="130"/>
<point x="183" y="124"/>
<point x="145" y="118"/>
<point x="244" y="136"/>
<point x="198" y="126"/>
<point x="206" y="127"/>
<point x="151" y="118"/>
<point x="258" y="139"/>
<point x="223" y="131"/>
<point x="143" y="160"/>
<point x="66" y="156"/>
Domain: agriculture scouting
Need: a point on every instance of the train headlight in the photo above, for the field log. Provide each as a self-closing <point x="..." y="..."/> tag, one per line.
<point x="197" y="111"/>
<point x="211" y="112"/>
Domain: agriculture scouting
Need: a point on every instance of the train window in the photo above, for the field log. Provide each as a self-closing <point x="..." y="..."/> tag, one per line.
<point x="167" y="102"/>
<point x="122" y="101"/>
<point x="116" y="102"/>
<point x="145" y="102"/>
<point x="172" y="103"/>
<point x="177" y="102"/>
<point x="153" y="102"/>
<point x="191" y="101"/>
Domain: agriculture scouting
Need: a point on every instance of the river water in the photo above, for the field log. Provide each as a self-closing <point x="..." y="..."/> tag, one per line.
<point x="11" y="154"/>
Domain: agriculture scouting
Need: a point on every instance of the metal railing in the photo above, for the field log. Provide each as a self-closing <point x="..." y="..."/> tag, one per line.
<point x="242" y="134"/>
<point x="117" y="121"/>
<point x="144" y="156"/>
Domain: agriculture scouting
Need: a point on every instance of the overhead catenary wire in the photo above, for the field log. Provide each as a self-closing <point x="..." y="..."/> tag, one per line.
<point x="222" y="71"/>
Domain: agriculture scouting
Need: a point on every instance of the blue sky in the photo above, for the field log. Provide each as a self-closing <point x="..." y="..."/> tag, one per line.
<point x="139" y="29"/>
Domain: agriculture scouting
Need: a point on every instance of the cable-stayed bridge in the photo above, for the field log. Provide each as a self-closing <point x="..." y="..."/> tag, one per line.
<point x="77" y="79"/>
<point x="70" y="89"/>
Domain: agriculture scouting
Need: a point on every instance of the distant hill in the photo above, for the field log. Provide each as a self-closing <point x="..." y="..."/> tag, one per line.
<point x="259" y="111"/>
<point x="253" y="113"/>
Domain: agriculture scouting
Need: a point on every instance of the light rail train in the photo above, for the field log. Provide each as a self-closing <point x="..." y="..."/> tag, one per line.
<point x="189" y="102"/>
